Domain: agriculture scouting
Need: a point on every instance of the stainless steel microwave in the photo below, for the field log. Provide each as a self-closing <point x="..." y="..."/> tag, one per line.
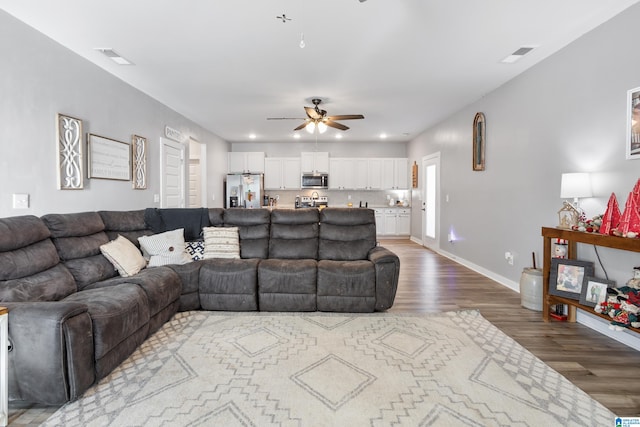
<point x="320" y="180"/>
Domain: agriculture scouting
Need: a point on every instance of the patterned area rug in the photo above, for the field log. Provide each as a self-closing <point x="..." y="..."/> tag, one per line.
<point x="238" y="369"/>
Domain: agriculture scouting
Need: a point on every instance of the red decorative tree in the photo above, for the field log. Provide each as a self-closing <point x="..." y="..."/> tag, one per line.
<point x="611" y="217"/>
<point x="630" y="220"/>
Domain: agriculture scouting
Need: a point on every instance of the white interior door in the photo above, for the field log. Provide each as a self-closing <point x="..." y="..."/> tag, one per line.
<point x="172" y="174"/>
<point x="431" y="201"/>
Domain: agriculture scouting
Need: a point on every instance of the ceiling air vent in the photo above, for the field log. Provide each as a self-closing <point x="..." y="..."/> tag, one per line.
<point x="112" y="55"/>
<point x="518" y="54"/>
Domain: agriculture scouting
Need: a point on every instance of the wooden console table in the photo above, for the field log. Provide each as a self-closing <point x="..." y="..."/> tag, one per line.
<point x="4" y="380"/>
<point x="574" y="237"/>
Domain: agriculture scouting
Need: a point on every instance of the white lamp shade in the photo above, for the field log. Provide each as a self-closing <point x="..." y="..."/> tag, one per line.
<point x="322" y="128"/>
<point x="310" y="127"/>
<point x="575" y="185"/>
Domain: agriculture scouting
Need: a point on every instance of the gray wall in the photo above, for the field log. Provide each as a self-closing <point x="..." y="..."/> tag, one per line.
<point x="567" y="114"/>
<point x="38" y="79"/>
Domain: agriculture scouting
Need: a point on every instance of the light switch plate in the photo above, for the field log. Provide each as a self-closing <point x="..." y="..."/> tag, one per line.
<point x="20" y="201"/>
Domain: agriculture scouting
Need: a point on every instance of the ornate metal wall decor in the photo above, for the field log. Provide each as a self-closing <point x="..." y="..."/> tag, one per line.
<point x="139" y="163"/>
<point x="69" y="152"/>
<point x="479" y="142"/>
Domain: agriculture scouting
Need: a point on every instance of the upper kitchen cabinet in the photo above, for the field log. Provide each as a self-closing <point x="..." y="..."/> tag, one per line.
<point x="314" y="162"/>
<point x="244" y="162"/>
<point x="395" y="173"/>
<point x="282" y="173"/>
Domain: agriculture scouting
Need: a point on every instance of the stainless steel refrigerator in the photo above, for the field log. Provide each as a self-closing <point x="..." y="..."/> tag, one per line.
<point x="244" y="191"/>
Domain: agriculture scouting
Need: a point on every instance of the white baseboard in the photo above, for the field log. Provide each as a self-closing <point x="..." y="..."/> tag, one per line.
<point x="630" y="339"/>
<point x="487" y="273"/>
<point x="625" y="337"/>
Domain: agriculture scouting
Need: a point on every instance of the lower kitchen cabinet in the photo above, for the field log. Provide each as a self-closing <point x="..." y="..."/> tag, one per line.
<point x="393" y="222"/>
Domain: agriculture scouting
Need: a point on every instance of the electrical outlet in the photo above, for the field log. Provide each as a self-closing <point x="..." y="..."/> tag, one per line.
<point x="509" y="257"/>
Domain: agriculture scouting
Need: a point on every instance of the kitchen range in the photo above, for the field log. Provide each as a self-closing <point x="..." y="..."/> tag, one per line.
<point x="313" y="201"/>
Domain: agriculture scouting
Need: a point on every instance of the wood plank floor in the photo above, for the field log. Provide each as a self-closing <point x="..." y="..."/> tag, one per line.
<point x="602" y="367"/>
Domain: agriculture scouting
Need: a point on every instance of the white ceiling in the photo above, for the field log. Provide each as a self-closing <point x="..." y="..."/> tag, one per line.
<point x="229" y="64"/>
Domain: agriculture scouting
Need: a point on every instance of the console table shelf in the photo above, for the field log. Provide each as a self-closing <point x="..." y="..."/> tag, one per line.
<point x="573" y="238"/>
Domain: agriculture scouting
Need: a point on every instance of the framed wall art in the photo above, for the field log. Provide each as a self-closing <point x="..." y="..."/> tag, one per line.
<point x="479" y="127"/>
<point x="69" y="150"/>
<point x="567" y="277"/>
<point x="594" y="291"/>
<point x="633" y="124"/>
<point x="139" y="162"/>
<point x="108" y="158"/>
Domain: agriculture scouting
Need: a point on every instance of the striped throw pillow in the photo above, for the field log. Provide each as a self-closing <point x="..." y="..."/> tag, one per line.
<point x="221" y="242"/>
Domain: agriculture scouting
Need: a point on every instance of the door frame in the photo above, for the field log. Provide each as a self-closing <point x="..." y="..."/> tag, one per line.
<point x="428" y="242"/>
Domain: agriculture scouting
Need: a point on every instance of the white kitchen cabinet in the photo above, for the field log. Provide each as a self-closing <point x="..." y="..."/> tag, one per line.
<point x="374" y="174"/>
<point x="244" y="162"/>
<point x="282" y="173"/>
<point x="314" y="162"/>
<point x="401" y="173"/>
<point x="403" y="222"/>
<point x="397" y="222"/>
<point x="395" y="173"/>
<point x="336" y="173"/>
<point x="380" y="229"/>
<point x="360" y="174"/>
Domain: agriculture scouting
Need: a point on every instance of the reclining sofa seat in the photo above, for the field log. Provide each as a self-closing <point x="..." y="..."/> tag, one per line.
<point x="232" y="284"/>
<point x="33" y="286"/>
<point x="354" y="275"/>
<point x="287" y="279"/>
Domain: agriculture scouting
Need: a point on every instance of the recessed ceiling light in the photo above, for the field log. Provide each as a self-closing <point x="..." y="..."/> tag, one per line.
<point x="252" y="136"/>
<point x="517" y="55"/>
<point x="383" y="136"/>
<point x="296" y="135"/>
<point x="338" y="136"/>
<point x="112" y="55"/>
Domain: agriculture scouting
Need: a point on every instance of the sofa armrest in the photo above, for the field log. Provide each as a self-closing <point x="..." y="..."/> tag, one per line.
<point x="387" y="268"/>
<point x="51" y="357"/>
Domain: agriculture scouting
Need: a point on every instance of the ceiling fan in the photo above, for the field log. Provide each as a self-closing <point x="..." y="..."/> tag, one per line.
<point x="317" y="118"/>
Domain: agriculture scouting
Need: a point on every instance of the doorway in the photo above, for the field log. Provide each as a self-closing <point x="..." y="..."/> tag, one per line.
<point x="431" y="201"/>
<point x="197" y="174"/>
<point x="172" y="174"/>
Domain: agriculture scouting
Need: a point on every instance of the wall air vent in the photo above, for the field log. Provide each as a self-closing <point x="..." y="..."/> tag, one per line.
<point x="518" y="54"/>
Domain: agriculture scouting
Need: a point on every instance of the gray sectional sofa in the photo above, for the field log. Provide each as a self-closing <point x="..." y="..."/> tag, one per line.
<point x="73" y="319"/>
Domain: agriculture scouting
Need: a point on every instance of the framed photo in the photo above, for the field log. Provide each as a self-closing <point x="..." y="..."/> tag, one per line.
<point x="69" y="149"/>
<point x="567" y="277"/>
<point x="594" y="291"/>
<point x="633" y="124"/>
<point x="479" y="126"/>
<point x="108" y="158"/>
<point x="139" y="162"/>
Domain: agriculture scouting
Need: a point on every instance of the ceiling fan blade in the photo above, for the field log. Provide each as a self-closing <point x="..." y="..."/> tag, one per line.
<point x="312" y="113"/>
<point x="285" y="118"/>
<point x="302" y="126"/>
<point x="335" y="125"/>
<point x="346" y="117"/>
